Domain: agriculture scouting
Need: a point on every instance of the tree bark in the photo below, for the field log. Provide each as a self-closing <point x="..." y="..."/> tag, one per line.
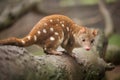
<point x="18" y="64"/>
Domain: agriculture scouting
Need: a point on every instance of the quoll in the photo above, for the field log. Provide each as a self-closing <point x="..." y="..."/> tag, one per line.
<point x="53" y="31"/>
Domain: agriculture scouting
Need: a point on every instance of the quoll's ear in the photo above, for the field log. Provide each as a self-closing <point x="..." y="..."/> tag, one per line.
<point x="82" y="30"/>
<point x="95" y="32"/>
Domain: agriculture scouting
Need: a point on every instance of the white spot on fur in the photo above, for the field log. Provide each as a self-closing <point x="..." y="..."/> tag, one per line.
<point x="29" y="37"/>
<point x="45" y="24"/>
<point x="35" y="38"/>
<point x="56" y="33"/>
<point x="61" y="38"/>
<point x="51" y="29"/>
<point x="44" y="31"/>
<point x="45" y="48"/>
<point x="51" y="20"/>
<point x="74" y="35"/>
<point x="67" y="28"/>
<point x="52" y="38"/>
<point x="38" y="32"/>
<point x="63" y="25"/>
<point x="23" y="41"/>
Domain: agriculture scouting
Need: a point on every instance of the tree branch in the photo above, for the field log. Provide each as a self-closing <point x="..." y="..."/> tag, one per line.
<point x="109" y="27"/>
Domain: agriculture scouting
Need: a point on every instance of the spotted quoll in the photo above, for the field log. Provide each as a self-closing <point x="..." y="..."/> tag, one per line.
<point x="53" y="31"/>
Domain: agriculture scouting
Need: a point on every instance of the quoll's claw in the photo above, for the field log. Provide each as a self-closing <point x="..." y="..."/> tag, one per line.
<point x="110" y="66"/>
<point x="56" y="52"/>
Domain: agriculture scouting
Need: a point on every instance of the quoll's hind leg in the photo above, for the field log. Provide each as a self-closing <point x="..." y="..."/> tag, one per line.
<point x="51" y="45"/>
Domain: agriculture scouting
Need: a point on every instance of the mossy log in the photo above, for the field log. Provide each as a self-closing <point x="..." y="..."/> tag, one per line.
<point x="16" y="63"/>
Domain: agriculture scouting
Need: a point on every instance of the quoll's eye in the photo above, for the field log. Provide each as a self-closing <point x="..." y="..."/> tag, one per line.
<point x="83" y="40"/>
<point x="92" y="40"/>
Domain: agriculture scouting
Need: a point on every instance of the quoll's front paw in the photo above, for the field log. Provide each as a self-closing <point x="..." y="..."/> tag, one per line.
<point x="57" y="53"/>
<point x="53" y="52"/>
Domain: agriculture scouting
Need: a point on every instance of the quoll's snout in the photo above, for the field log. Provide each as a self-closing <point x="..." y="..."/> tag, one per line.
<point x="87" y="48"/>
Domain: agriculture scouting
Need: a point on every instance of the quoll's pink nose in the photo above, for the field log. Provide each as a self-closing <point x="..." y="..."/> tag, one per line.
<point x="87" y="48"/>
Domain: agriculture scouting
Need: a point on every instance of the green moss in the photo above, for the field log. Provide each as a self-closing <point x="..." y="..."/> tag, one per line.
<point x="115" y="39"/>
<point x="40" y="52"/>
<point x="94" y="73"/>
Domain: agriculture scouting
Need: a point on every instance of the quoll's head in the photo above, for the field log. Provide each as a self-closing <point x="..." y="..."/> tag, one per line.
<point x="87" y="39"/>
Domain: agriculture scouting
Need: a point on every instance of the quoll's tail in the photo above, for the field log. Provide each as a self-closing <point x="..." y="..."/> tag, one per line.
<point x="11" y="41"/>
<point x="26" y="41"/>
